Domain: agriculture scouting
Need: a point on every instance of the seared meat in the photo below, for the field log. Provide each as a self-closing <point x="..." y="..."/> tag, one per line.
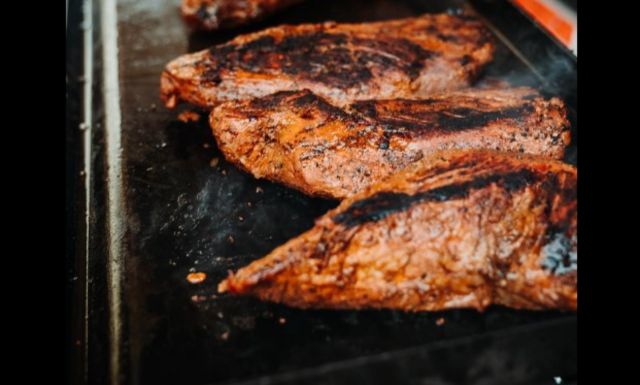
<point x="406" y="58"/>
<point x="218" y="14"/>
<point x="299" y="139"/>
<point x="464" y="229"/>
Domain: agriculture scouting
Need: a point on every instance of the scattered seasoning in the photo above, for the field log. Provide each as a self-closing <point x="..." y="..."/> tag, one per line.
<point x="214" y="162"/>
<point x="440" y="321"/>
<point x="259" y="190"/>
<point x="220" y="315"/>
<point x="153" y="106"/>
<point x="241" y="218"/>
<point x="196" y="278"/>
<point x="225" y="336"/>
<point x="282" y="320"/>
<point x="231" y="239"/>
<point x="224" y="172"/>
<point x="188" y="116"/>
<point x="198" y="298"/>
<point x="558" y="380"/>
<point x="249" y="204"/>
<point x="206" y="145"/>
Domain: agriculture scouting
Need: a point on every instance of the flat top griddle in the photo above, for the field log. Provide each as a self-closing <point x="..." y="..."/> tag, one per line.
<point x="152" y="205"/>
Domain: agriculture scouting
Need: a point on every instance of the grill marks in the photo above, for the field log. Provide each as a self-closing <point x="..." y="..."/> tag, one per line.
<point x="309" y="104"/>
<point x="400" y="53"/>
<point x="458" y="229"/>
<point x="459" y="119"/>
<point x="556" y="191"/>
<point x="420" y="117"/>
<point x="340" y="62"/>
<point x="305" y="103"/>
<point x="406" y="118"/>
<point x="383" y="204"/>
<point x="465" y="118"/>
<point x="336" y="59"/>
<point x="336" y="151"/>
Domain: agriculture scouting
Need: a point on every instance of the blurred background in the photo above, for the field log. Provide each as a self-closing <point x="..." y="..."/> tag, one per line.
<point x="559" y="17"/>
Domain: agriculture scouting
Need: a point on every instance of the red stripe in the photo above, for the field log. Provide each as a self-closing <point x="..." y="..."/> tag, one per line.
<point x="561" y="28"/>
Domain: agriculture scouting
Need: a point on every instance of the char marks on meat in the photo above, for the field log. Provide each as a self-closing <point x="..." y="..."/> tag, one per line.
<point x="462" y="229"/>
<point x="303" y="141"/>
<point x="221" y="14"/>
<point x="407" y="58"/>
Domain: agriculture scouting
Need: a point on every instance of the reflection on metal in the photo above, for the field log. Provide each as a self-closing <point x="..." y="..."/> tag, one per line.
<point x="86" y="126"/>
<point x="116" y="212"/>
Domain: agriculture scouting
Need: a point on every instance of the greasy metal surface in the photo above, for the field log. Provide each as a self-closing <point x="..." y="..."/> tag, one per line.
<point x="187" y="210"/>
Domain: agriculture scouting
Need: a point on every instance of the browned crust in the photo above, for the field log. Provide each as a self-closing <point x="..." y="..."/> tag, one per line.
<point x="407" y="58"/>
<point x="210" y="15"/>
<point x="462" y="229"/>
<point x="303" y="141"/>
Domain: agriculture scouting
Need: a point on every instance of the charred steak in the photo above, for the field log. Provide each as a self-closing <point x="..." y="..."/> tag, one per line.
<point x="407" y="58"/>
<point x="301" y="140"/>
<point x="464" y="229"/>
<point x="220" y="14"/>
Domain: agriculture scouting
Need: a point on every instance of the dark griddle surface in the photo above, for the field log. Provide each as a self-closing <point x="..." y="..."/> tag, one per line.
<point x="184" y="215"/>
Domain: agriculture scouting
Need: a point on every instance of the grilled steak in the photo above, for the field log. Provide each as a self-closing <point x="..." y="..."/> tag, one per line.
<point x="465" y="229"/>
<point x="406" y="58"/>
<point x="218" y="14"/>
<point x="301" y="140"/>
